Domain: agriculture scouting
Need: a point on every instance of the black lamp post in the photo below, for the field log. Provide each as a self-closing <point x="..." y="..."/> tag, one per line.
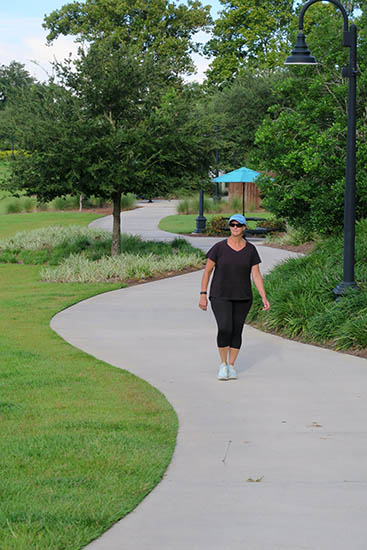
<point x="302" y="55"/>
<point x="217" y="196"/>
<point x="201" y="219"/>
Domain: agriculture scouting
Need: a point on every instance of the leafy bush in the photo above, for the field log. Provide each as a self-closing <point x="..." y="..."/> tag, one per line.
<point x="29" y="204"/>
<point x="217" y="226"/>
<point x="8" y="257"/>
<point x="13" y="206"/>
<point x="64" y="203"/>
<point x="128" y="201"/>
<point x="273" y="224"/>
<point x="302" y="301"/>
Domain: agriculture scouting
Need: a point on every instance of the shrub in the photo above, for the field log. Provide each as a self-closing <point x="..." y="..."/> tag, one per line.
<point x="191" y="205"/>
<point x="42" y="206"/>
<point x="13" y="206"/>
<point x="50" y="237"/>
<point x="217" y="226"/>
<point x="29" y="204"/>
<point x="125" y="267"/>
<point x="273" y="224"/>
<point x="236" y="204"/>
<point x="302" y="301"/>
<point x="8" y="257"/>
<point x="128" y="201"/>
<point x="68" y="202"/>
<point x="184" y="206"/>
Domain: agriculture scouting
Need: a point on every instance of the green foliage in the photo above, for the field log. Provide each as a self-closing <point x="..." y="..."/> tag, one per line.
<point x="97" y="133"/>
<point x="53" y="245"/>
<point x="303" y="138"/>
<point x="249" y="33"/>
<point x="190" y="205"/>
<point x="273" y="224"/>
<point x="53" y="236"/>
<point x="302" y="301"/>
<point x="236" y="204"/>
<point x="217" y="226"/>
<point x="237" y="109"/>
<point x="125" y="267"/>
<point x="13" y="206"/>
<point x="128" y="201"/>
<point x="158" y="27"/>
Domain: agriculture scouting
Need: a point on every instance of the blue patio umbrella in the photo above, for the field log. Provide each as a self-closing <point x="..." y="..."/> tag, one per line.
<point x="241" y="175"/>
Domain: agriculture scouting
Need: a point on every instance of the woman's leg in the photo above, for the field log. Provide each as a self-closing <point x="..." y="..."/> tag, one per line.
<point x="239" y="313"/>
<point x="222" y="310"/>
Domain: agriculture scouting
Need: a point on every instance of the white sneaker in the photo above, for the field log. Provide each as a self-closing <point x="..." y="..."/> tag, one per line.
<point x="223" y="372"/>
<point x="232" y="374"/>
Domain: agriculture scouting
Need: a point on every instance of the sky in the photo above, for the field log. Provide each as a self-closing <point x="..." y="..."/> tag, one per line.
<point x="23" y="39"/>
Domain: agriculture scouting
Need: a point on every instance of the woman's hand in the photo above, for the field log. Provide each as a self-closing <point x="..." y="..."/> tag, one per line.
<point x="266" y="304"/>
<point x="203" y="302"/>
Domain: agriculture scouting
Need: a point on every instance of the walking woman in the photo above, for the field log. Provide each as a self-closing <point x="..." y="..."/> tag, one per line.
<point x="233" y="260"/>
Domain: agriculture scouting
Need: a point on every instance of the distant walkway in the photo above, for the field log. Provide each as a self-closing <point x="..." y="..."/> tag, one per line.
<point x="144" y="222"/>
<point x="295" y="420"/>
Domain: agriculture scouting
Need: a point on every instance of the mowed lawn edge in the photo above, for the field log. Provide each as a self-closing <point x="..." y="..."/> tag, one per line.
<point x="82" y="442"/>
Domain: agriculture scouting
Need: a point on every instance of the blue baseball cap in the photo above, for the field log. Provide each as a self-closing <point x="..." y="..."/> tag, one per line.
<point x="238" y="218"/>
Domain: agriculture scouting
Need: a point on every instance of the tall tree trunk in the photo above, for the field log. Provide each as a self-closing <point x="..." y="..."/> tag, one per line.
<point x="116" y="231"/>
<point x="80" y="202"/>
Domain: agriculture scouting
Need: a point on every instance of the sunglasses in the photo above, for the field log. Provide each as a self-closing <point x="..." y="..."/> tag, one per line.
<point x="233" y="224"/>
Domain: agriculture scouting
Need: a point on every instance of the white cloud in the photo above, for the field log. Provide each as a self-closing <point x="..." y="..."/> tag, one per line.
<point x="24" y="40"/>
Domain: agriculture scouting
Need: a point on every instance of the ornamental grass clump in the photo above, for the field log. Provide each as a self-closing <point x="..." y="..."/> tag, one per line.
<point x="52" y="236"/>
<point x="302" y="302"/>
<point x="78" y="269"/>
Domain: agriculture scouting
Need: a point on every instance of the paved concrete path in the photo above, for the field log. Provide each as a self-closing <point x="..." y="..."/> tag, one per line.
<point x="295" y="419"/>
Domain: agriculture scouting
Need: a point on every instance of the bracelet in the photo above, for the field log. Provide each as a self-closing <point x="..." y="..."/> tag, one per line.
<point x="203" y="292"/>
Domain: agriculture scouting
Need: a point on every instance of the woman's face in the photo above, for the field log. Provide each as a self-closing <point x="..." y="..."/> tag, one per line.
<point x="236" y="229"/>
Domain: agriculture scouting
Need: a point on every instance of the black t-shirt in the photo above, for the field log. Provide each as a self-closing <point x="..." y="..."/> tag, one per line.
<point x="231" y="279"/>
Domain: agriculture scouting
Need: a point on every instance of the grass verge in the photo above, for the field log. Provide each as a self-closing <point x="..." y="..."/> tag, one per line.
<point x="11" y="224"/>
<point x="82" y="442"/>
<point x="302" y="302"/>
<point x="186" y="223"/>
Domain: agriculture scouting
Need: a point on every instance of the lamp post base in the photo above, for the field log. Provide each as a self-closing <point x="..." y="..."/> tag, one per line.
<point x="200" y="224"/>
<point x="342" y="287"/>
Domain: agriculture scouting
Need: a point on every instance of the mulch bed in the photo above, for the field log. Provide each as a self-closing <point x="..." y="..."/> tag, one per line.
<point x="304" y="248"/>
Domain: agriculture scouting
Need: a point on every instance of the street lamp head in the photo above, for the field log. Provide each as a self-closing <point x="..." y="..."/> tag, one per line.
<point x="301" y="55"/>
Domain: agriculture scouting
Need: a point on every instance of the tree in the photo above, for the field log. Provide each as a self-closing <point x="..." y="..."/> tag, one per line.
<point x="237" y="110"/>
<point x="303" y="138"/>
<point x="249" y="33"/>
<point x="14" y="79"/>
<point x="93" y="134"/>
<point x="136" y="51"/>
<point x="158" y="28"/>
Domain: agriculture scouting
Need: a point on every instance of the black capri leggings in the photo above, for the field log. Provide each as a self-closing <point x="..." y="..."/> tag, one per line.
<point x="230" y="316"/>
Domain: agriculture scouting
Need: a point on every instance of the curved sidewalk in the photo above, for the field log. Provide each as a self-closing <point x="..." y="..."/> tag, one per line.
<point x="295" y="420"/>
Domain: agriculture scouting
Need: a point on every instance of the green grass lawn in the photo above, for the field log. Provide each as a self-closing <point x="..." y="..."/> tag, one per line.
<point x="12" y="223"/>
<point x="186" y="223"/>
<point x="82" y="442"/>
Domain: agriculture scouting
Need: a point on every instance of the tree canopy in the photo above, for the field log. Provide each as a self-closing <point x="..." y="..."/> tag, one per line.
<point x="249" y="33"/>
<point x="159" y="28"/>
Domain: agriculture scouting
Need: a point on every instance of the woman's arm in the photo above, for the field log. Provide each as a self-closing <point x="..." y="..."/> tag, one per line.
<point x="258" y="280"/>
<point x="203" y="302"/>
